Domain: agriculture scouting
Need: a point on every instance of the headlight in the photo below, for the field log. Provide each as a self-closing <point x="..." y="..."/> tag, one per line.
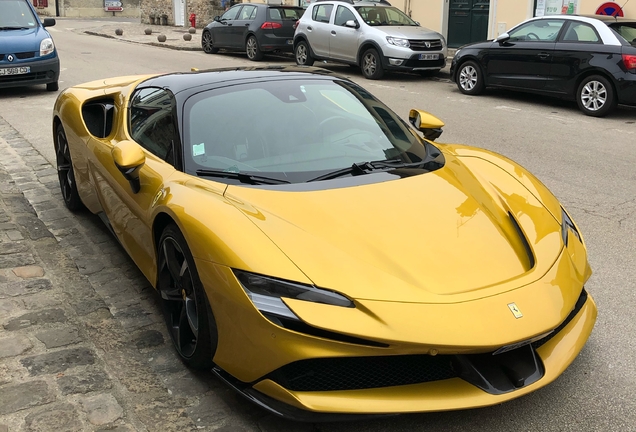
<point x="266" y="293"/>
<point x="398" y="42"/>
<point x="567" y="226"/>
<point x="46" y="47"/>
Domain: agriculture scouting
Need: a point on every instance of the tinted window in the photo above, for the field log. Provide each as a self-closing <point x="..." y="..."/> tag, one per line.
<point x="285" y="13"/>
<point x="247" y="13"/>
<point x="322" y="13"/>
<point x="152" y="122"/>
<point x="537" y="31"/>
<point x="297" y="129"/>
<point x="581" y="32"/>
<point x="343" y="15"/>
<point x="627" y="31"/>
<point x="16" y="13"/>
<point x="231" y="13"/>
<point x="387" y="16"/>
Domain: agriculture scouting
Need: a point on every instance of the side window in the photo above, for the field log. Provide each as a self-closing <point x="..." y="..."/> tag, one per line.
<point x="247" y="12"/>
<point x="231" y="13"/>
<point x="322" y="13"/>
<point x="343" y="14"/>
<point x="581" y="32"/>
<point x="152" y="122"/>
<point x="542" y="30"/>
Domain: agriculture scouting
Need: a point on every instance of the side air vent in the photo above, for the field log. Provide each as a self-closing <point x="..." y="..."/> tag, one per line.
<point x="98" y="117"/>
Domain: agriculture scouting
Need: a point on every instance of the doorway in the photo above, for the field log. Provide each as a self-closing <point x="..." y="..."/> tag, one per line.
<point x="467" y="21"/>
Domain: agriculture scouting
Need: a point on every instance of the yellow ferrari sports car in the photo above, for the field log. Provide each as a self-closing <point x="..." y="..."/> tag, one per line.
<point x="320" y="254"/>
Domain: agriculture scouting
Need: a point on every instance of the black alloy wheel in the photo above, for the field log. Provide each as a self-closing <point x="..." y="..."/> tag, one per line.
<point x="595" y="96"/>
<point x="470" y="79"/>
<point x="371" y="64"/>
<point x="65" y="173"/>
<point x="207" y="44"/>
<point x="185" y="306"/>
<point x="254" y="53"/>
<point x="303" y="54"/>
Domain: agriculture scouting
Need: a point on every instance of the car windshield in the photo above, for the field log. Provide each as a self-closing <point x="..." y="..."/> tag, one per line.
<point x="627" y="31"/>
<point x="15" y="14"/>
<point x="295" y="130"/>
<point x="384" y="16"/>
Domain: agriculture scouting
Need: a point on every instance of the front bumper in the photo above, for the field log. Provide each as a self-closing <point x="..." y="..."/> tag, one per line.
<point x="405" y="59"/>
<point x="626" y="88"/>
<point x="42" y="72"/>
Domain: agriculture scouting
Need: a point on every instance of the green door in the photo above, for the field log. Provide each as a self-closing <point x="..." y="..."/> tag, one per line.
<point x="467" y="21"/>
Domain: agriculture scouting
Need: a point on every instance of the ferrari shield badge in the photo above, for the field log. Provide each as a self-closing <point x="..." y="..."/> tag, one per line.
<point x="515" y="310"/>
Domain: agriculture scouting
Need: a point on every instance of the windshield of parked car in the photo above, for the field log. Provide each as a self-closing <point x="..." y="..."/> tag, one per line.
<point x="16" y="14"/>
<point x="294" y="130"/>
<point x="384" y="16"/>
<point x="627" y="31"/>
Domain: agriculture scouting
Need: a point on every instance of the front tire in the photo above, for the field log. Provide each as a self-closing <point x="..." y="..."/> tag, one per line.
<point x="65" y="174"/>
<point x="54" y="86"/>
<point x="185" y="306"/>
<point x="254" y="53"/>
<point x="595" y="96"/>
<point x="303" y="54"/>
<point x="207" y="44"/>
<point x="372" y="64"/>
<point x="470" y="79"/>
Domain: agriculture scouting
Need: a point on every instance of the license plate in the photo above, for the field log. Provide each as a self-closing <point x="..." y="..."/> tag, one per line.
<point x="290" y="41"/>
<point x="429" y="56"/>
<point x="15" y="70"/>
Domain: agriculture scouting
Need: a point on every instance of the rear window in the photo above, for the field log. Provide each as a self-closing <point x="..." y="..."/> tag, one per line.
<point x="16" y="14"/>
<point x="284" y="14"/>
<point x="627" y="31"/>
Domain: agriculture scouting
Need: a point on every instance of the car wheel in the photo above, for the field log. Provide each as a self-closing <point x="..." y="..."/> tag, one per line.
<point x="372" y="65"/>
<point x="185" y="306"/>
<point x="254" y="53"/>
<point x="303" y="54"/>
<point x="65" y="173"/>
<point x="595" y="96"/>
<point x="54" y="86"/>
<point x="470" y="80"/>
<point x="207" y="44"/>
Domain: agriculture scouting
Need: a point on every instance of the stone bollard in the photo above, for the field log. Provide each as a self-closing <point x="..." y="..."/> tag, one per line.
<point x="192" y="30"/>
<point x="187" y="36"/>
<point x="119" y="32"/>
<point x="148" y="31"/>
<point x="161" y="38"/>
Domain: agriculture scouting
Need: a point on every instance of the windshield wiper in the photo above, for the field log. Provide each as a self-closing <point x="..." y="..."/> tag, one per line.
<point x="242" y="177"/>
<point x="13" y="28"/>
<point x="359" y="168"/>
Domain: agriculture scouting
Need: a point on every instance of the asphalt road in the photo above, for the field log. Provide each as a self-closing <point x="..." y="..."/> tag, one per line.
<point x="588" y="163"/>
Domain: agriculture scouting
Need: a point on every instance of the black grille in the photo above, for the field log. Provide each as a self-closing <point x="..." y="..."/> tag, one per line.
<point x="352" y="373"/>
<point x="1" y="57"/>
<point x="577" y="307"/>
<point x="414" y="62"/>
<point x="24" y="77"/>
<point x="25" y="55"/>
<point x="420" y="44"/>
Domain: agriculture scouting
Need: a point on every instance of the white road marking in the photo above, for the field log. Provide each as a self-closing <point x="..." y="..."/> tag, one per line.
<point x="51" y="29"/>
<point x="507" y="108"/>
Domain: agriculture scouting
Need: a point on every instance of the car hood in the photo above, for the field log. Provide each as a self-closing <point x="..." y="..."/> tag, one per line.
<point x="439" y="237"/>
<point x="18" y="41"/>
<point x="408" y="32"/>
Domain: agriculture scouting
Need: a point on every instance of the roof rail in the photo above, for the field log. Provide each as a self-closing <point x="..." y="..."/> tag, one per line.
<point x="384" y="2"/>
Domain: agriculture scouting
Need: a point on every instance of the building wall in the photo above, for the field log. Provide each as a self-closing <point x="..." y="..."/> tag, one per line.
<point x="205" y="11"/>
<point x="95" y="9"/>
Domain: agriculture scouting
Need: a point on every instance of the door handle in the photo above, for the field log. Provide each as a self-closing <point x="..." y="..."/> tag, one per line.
<point x="543" y="56"/>
<point x="229" y="25"/>
<point x="333" y="32"/>
<point x="309" y="28"/>
<point x="247" y="25"/>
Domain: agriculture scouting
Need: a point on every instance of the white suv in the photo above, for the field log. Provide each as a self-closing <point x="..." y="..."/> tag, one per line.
<point x="370" y="34"/>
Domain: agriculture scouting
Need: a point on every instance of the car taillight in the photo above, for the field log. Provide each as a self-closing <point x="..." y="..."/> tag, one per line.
<point x="296" y="24"/>
<point x="630" y="61"/>
<point x="271" y="25"/>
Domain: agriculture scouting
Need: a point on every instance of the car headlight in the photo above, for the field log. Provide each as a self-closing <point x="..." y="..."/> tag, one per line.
<point x="46" y="47"/>
<point x="567" y="226"/>
<point x="266" y="293"/>
<point x="398" y="42"/>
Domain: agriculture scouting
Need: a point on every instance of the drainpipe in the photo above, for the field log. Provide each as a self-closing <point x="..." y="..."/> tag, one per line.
<point x="493" y="14"/>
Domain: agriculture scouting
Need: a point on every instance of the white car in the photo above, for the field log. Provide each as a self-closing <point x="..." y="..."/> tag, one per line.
<point x="371" y="34"/>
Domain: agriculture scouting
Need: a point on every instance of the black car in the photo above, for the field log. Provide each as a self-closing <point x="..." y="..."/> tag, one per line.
<point x="253" y="28"/>
<point x="589" y="59"/>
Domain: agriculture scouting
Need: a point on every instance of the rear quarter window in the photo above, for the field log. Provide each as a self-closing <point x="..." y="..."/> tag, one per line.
<point x="284" y="14"/>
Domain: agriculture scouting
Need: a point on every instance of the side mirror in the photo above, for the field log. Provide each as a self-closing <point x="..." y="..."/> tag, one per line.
<point x="352" y="24"/>
<point x="129" y="158"/>
<point x="502" y="38"/>
<point x="426" y="123"/>
<point x="217" y="18"/>
<point x="48" y="22"/>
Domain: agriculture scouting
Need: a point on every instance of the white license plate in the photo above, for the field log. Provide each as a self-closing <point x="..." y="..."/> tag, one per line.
<point x="15" y="70"/>
<point x="429" y="56"/>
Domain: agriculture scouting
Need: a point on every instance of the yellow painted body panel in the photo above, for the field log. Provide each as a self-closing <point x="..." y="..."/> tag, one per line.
<point x="430" y="261"/>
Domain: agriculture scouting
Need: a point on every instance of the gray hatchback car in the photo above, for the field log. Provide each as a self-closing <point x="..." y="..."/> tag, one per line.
<point x="371" y="34"/>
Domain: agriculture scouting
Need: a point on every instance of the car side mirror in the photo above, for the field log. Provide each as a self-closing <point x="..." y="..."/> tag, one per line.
<point x="426" y="123"/>
<point x="129" y="158"/>
<point x="48" y="22"/>
<point x="502" y="38"/>
<point x="217" y="18"/>
<point x="352" y="24"/>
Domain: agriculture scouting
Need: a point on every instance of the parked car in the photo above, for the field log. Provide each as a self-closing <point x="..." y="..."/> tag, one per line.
<point x="319" y="254"/>
<point x="254" y="28"/>
<point x="27" y="52"/>
<point x="373" y="35"/>
<point x="588" y="59"/>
